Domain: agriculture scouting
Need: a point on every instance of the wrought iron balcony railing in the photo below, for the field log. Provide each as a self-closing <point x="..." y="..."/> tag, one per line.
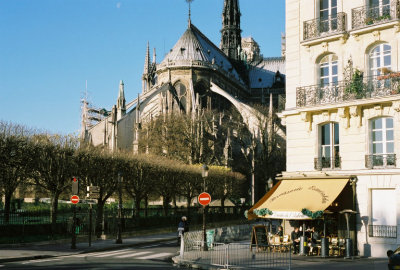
<point x="367" y="16"/>
<point x="327" y="163"/>
<point x="380" y="161"/>
<point x="382" y="231"/>
<point x="367" y="87"/>
<point x="325" y="27"/>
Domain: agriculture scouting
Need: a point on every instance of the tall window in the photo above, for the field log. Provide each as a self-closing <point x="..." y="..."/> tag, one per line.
<point x="379" y="58"/>
<point x="382" y="142"/>
<point x="379" y="8"/>
<point x="180" y="103"/>
<point x="328" y="15"/>
<point x="329" y="146"/>
<point x="328" y="70"/>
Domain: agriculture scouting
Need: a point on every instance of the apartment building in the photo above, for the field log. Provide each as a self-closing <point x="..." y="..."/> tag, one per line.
<point x="343" y="107"/>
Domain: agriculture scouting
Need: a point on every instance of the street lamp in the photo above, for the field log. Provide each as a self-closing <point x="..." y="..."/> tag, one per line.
<point x="204" y="174"/>
<point x="119" y="238"/>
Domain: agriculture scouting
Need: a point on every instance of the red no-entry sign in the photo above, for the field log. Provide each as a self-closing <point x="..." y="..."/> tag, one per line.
<point x="204" y="198"/>
<point x="74" y="199"/>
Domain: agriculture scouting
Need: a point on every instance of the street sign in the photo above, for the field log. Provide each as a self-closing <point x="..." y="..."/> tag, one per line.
<point x="75" y="186"/>
<point x="93" y="192"/>
<point x="204" y="198"/>
<point x="93" y="189"/>
<point x="74" y="199"/>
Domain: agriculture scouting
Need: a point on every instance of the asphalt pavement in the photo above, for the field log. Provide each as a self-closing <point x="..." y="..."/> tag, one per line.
<point x="29" y="251"/>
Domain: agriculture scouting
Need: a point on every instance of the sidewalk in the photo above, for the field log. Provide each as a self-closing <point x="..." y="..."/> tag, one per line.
<point x="47" y="250"/>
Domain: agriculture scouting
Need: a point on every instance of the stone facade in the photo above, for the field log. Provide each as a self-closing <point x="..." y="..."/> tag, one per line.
<point x="342" y="106"/>
<point x="194" y="75"/>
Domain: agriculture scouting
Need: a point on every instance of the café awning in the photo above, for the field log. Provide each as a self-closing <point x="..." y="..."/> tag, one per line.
<point x="289" y="197"/>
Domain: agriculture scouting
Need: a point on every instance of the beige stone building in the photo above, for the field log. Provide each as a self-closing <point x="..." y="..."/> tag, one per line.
<point x="194" y="75"/>
<point x="343" y="107"/>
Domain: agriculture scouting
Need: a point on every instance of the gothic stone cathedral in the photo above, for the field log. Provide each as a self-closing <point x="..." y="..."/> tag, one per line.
<point x="195" y="75"/>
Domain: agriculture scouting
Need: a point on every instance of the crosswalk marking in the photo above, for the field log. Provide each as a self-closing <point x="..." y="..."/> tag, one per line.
<point x="44" y="260"/>
<point x="154" y="256"/>
<point x="133" y="254"/>
<point x="112" y="253"/>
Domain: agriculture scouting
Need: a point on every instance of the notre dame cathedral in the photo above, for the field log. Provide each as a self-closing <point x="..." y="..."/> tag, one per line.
<point x="195" y="75"/>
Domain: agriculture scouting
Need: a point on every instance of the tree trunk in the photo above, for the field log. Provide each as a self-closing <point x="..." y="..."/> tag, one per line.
<point x="146" y="204"/>
<point x="188" y="200"/>
<point x="137" y="206"/>
<point x="165" y="205"/>
<point x="7" y="206"/>
<point x="99" y="218"/>
<point x="54" y="207"/>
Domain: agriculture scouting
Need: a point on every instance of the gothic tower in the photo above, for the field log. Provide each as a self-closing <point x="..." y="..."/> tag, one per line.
<point x="231" y="33"/>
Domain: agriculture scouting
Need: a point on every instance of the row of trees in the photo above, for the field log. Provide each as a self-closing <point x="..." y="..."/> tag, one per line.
<point x="50" y="161"/>
<point x="221" y="139"/>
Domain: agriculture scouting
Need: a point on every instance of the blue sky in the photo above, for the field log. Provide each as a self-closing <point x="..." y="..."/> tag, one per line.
<point x="49" y="48"/>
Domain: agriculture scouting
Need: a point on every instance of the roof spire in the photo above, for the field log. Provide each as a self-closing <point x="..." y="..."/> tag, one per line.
<point x="147" y="60"/>
<point x="189" y="20"/>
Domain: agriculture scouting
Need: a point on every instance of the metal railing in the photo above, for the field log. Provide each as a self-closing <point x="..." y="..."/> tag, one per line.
<point x="347" y="90"/>
<point x="229" y="247"/>
<point x="237" y="256"/>
<point x="319" y="27"/>
<point x="384" y="231"/>
<point x="324" y="163"/>
<point x="372" y="15"/>
<point x="380" y="161"/>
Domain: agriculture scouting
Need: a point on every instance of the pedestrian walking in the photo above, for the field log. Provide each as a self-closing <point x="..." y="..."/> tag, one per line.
<point x="183" y="227"/>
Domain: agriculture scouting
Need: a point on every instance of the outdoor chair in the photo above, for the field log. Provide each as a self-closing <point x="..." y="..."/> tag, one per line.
<point x="277" y="243"/>
<point x="286" y="243"/>
<point x="334" y="247"/>
<point x="342" y="246"/>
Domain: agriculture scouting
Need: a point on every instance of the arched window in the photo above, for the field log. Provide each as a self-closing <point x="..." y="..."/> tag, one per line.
<point x="200" y="89"/>
<point x="379" y="58"/>
<point x="381" y="143"/>
<point x="329" y="155"/>
<point x="328" y="70"/>
<point x="180" y="99"/>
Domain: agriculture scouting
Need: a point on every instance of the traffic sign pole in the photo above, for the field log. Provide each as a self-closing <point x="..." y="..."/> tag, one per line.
<point x="73" y="240"/>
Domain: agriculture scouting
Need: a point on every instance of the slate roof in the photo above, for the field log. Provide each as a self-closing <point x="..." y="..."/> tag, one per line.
<point x="266" y="71"/>
<point x="194" y="45"/>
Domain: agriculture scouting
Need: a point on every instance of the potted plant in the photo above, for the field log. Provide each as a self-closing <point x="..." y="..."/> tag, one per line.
<point x="354" y="89"/>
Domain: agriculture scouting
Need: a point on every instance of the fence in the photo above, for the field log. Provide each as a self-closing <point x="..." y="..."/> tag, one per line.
<point x="29" y="226"/>
<point x="223" y="252"/>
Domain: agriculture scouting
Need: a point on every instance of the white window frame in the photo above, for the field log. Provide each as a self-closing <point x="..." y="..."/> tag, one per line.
<point x="384" y="130"/>
<point x="330" y="18"/>
<point x="381" y="5"/>
<point x="332" y="145"/>
<point x="376" y="60"/>
<point x="330" y="61"/>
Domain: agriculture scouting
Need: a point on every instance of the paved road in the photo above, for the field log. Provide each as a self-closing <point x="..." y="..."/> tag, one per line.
<point x="342" y="264"/>
<point x="158" y="256"/>
<point x="155" y="256"/>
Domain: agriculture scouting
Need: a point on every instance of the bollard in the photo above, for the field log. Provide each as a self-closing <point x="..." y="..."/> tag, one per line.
<point x="303" y="246"/>
<point x="182" y="247"/>
<point x="349" y="248"/>
<point x="324" y="247"/>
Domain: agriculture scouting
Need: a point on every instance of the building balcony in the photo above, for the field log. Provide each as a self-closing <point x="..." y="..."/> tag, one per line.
<point x="327" y="163"/>
<point x="318" y="28"/>
<point x="368" y="16"/>
<point x="348" y="90"/>
<point x="382" y="231"/>
<point x="380" y="161"/>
